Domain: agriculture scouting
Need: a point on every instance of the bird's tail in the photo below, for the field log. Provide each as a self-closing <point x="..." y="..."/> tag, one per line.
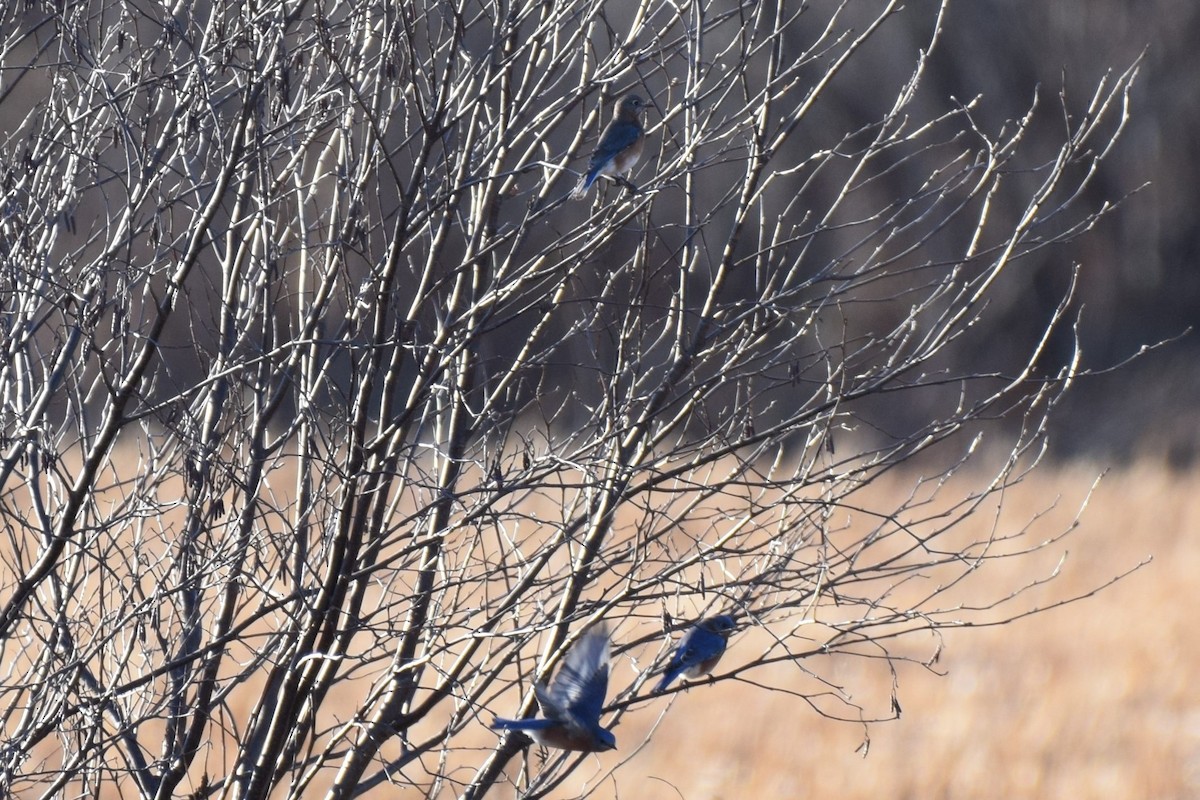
<point x="669" y="675"/>
<point x="501" y="724"/>
<point x="581" y="188"/>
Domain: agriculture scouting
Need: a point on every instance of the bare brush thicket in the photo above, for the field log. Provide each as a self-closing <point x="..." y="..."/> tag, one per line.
<point x="329" y="423"/>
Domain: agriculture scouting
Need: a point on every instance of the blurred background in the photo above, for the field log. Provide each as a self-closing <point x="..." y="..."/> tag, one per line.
<point x="1140" y="281"/>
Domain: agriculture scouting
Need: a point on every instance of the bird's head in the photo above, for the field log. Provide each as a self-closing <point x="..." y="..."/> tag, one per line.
<point x="722" y="625"/>
<point x="630" y="106"/>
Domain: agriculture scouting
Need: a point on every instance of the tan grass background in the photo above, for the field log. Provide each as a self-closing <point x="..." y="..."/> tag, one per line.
<point x="1098" y="699"/>
<point x="1094" y="700"/>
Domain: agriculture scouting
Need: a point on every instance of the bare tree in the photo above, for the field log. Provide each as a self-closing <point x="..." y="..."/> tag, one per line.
<point x="329" y="423"/>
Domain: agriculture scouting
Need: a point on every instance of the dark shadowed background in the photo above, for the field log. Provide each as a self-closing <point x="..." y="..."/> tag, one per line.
<point x="1141" y="283"/>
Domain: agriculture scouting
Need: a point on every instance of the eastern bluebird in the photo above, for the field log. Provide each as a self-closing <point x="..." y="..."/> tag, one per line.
<point x="699" y="650"/>
<point x="573" y="701"/>
<point x="620" y="145"/>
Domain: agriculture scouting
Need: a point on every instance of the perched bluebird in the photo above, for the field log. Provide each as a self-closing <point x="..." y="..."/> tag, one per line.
<point x="699" y="650"/>
<point x="573" y="701"/>
<point x="620" y="145"/>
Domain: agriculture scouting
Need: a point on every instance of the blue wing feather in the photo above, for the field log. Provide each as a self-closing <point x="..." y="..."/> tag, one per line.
<point x="579" y="688"/>
<point x="620" y="135"/>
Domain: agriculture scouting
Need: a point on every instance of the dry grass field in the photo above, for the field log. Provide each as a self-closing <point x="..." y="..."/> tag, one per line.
<point x="1098" y="699"/>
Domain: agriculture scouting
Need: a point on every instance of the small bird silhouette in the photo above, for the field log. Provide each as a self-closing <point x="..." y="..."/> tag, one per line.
<point x="699" y="650"/>
<point x="574" y="700"/>
<point x="619" y="148"/>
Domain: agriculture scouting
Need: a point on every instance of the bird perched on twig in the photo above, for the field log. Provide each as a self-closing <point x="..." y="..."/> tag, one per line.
<point x="699" y="650"/>
<point x="572" y="704"/>
<point x="619" y="148"/>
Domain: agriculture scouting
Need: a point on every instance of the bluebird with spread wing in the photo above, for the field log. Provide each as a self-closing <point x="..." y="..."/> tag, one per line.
<point x="574" y="700"/>
<point x="699" y="650"/>
<point x="620" y="145"/>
